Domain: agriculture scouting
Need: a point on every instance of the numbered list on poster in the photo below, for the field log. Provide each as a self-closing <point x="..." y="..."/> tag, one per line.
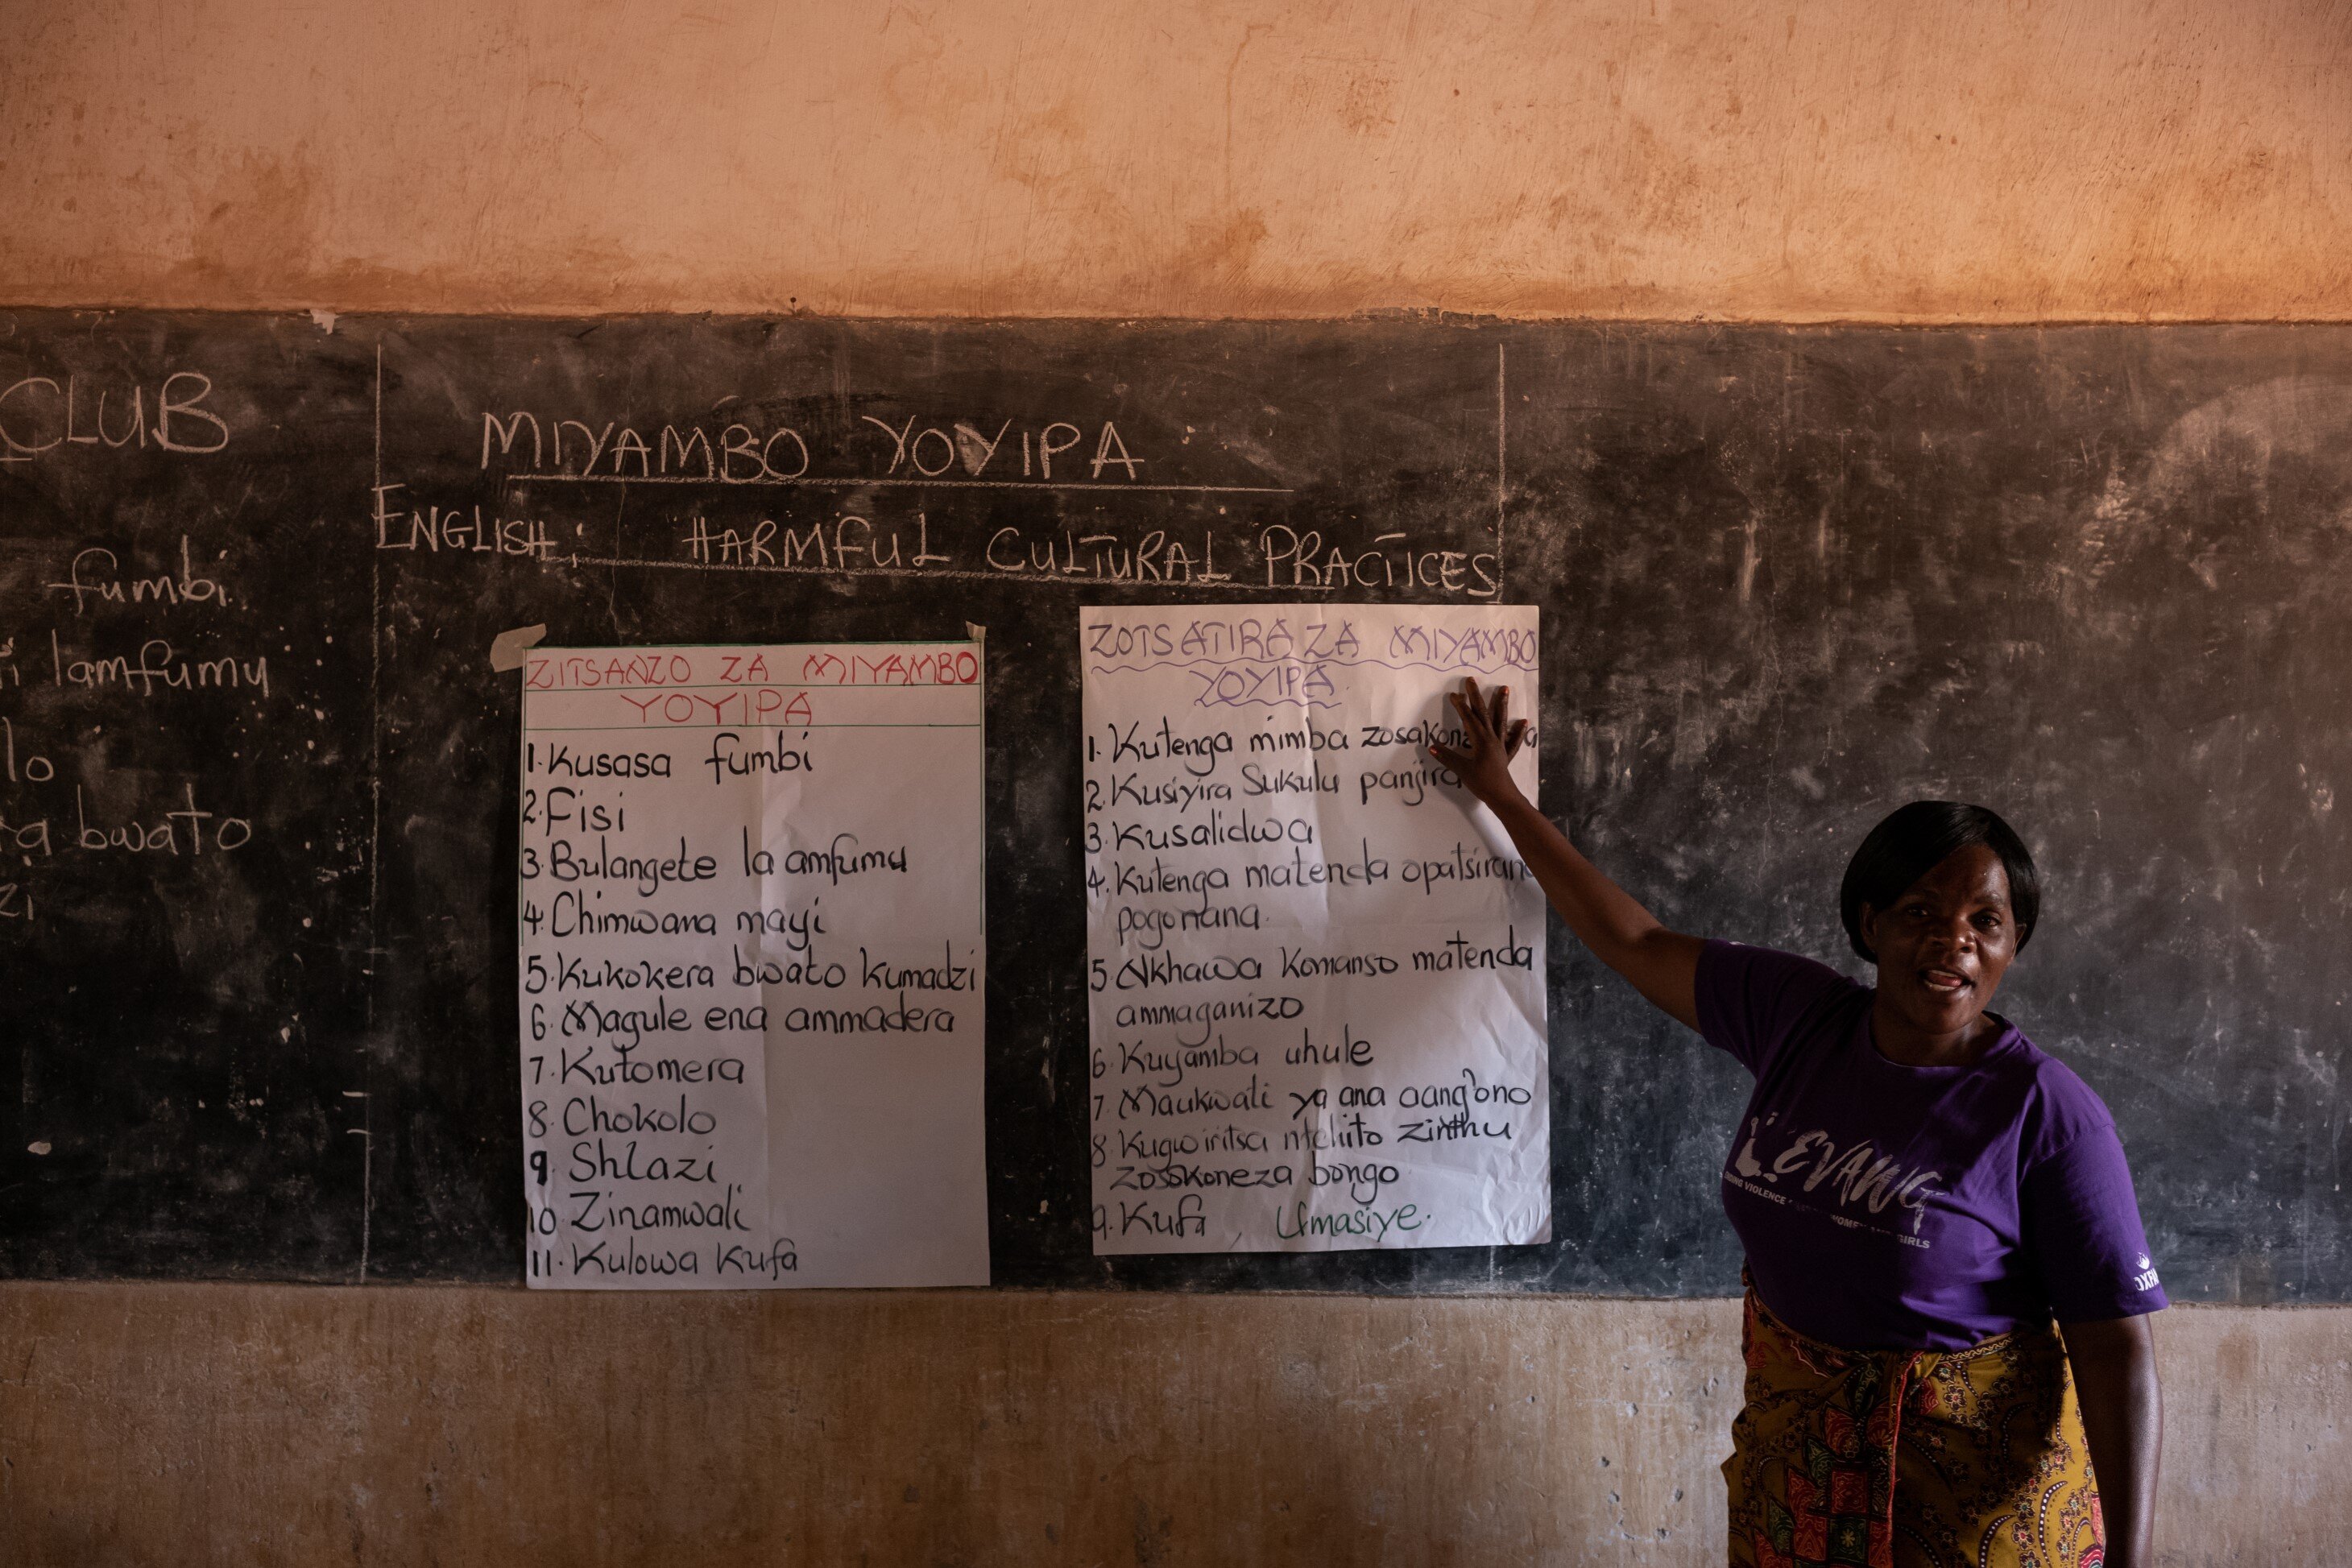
<point x="752" y="953"/>
<point x="1315" y="967"/>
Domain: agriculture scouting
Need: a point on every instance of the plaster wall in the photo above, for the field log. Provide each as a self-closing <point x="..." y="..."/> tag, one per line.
<point x="263" y="1424"/>
<point x="2030" y="159"/>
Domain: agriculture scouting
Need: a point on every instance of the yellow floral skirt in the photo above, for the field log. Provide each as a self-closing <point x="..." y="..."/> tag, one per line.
<point x="1910" y="1459"/>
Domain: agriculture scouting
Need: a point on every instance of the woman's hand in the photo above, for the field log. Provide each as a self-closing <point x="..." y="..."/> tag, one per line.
<point x="2123" y="1419"/>
<point x="1661" y="964"/>
<point x="1491" y="739"/>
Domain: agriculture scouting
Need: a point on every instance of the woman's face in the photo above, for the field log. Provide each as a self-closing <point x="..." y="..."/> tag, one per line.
<point x="1945" y="944"/>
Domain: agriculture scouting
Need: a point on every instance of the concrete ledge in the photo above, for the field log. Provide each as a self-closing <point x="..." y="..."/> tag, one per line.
<point x="242" y="1423"/>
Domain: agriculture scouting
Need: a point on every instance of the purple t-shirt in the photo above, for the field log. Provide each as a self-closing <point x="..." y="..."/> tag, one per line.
<point x="1894" y="1208"/>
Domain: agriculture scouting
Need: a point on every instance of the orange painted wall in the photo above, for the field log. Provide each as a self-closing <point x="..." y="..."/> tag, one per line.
<point x="1997" y="160"/>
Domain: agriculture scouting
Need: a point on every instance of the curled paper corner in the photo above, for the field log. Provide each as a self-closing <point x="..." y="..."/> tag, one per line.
<point x="974" y="631"/>
<point x="507" y="647"/>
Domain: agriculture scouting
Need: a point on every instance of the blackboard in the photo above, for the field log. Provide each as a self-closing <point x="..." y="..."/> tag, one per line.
<point x="259" y="992"/>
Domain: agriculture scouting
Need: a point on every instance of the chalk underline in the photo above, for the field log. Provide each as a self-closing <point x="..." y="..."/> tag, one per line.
<point x="949" y="574"/>
<point x="822" y="483"/>
<point x="1296" y="656"/>
<point x="642" y="728"/>
<point x="819" y="686"/>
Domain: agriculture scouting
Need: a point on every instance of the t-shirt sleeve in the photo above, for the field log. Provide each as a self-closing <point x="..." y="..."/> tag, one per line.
<point x="1751" y="1000"/>
<point x="2082" y="1224"/>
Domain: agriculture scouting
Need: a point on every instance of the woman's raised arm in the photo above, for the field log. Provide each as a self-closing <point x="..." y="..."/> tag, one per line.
<point x="1661" y="964"/>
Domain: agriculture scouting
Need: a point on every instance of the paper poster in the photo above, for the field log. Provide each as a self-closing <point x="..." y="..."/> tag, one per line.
<point x="1317" y="970"/>
<point x="751" y="967"/>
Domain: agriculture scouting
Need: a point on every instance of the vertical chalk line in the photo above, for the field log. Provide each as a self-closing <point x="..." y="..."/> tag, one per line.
<point x="1502" y="421"/>
<point x="375" y="827"/>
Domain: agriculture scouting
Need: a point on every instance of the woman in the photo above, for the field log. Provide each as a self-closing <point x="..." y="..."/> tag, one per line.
<point x="1919" y="1191"/>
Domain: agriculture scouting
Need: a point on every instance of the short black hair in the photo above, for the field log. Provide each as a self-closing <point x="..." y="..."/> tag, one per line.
<point x="1913" y="841"/>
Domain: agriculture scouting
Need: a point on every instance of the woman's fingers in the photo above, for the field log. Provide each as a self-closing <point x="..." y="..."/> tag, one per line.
<point x="1461" y="713"/>
<point x="1471" y="704"/>
<point x="1490" y="735"/>
<point x="1473" y="718"/>
<point x="1465" y="704"/>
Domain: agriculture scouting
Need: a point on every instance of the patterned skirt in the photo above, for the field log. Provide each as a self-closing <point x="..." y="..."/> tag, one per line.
<point x="1968" y="1459"/>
